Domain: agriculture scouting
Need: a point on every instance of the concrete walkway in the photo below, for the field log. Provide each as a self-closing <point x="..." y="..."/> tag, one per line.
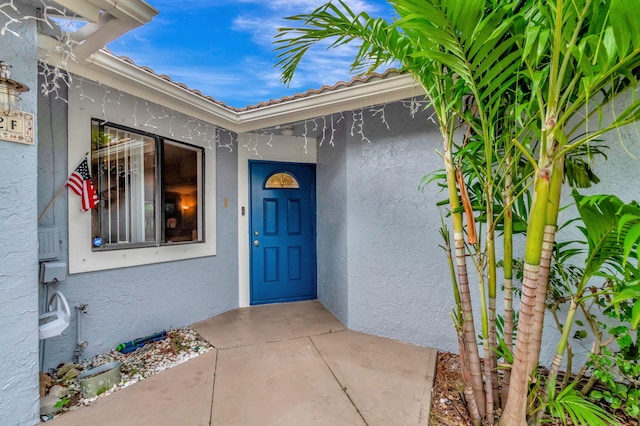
<point x="284" y="364"/>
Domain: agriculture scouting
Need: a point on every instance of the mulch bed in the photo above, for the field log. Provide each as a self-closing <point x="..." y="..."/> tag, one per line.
<point x="447" y="400"/>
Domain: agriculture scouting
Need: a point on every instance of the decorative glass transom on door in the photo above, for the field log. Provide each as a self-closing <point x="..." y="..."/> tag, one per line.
<point x="282" y="180"/>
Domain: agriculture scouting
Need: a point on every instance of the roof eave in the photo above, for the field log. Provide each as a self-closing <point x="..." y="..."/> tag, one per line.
<point x="105" y="68"/>
<point x="107" y="20"/>
<point x="108" y="69"/>
<point x="136" y="10"/>
<point x="376" y="92"/>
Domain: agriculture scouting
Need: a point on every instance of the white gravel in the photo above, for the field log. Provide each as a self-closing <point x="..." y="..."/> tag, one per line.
<point x="181" y="345"/>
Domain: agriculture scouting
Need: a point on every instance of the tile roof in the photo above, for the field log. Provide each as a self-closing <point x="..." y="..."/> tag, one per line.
<point x="357" y="80"/>
<point x="340" y="85"/>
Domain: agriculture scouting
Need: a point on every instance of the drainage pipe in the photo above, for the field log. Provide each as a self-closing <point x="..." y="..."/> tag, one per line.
<point x="80" y="344"/>
<point x="43" y="309"/>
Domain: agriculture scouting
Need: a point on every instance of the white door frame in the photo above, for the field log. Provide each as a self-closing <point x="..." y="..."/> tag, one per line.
<point x="291" y="149"/>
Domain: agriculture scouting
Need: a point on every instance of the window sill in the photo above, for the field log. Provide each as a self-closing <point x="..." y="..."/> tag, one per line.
<point x="112" y="258"/>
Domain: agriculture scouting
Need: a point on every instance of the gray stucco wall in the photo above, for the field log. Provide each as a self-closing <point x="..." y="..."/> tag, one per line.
<point x="126" y="303"/>
<point x="380" y="269"/>
<point x="18" y="242"/>
<point x="399" y="283"/>
<point x="382" y="232"/>
<point x="332" y="219"/>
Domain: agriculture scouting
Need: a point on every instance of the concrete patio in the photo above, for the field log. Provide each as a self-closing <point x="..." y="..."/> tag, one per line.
<point x="284" y="364"/>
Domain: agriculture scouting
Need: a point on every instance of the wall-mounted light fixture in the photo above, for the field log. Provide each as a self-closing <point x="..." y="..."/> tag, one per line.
<point x="10" y="90"/>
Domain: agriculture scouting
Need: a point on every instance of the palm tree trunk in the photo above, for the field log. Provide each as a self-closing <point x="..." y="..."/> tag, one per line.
<point x="493" y="359"/>
<point x="489" y="353"/>
<point x="468" y="326"/>
<point x="545" y="260"/>
<point x="560" y="350"/>
<point x="490" y="360"/>
<point x="444" y="231"/>
<point x="474" y="413"/>
<point x="508" y="273"/>
<point x="515" y="411"/>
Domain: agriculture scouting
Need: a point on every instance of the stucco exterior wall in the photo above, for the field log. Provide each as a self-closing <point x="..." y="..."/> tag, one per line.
<point x="125" y="303"/>
<point x="399" y="286"/>
<point x="18" y="244"/>
<point x="380" y="269"/>
<point x="332" y="225"/>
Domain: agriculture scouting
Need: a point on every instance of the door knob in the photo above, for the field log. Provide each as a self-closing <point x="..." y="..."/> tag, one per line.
<point x="256" y="243"/>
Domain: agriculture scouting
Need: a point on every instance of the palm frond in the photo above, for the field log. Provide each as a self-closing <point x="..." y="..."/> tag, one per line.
<point x="379" y="41"/>
<point x="569" y="404"/>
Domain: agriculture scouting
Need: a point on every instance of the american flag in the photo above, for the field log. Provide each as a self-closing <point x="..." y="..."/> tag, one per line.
<point x="80" y="183"/>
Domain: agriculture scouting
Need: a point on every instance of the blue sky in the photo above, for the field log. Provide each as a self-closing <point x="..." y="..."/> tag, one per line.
<point x="224" y="48"/>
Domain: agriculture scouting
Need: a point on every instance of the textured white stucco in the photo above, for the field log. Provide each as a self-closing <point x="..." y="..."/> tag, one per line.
<point x="332" y="218"/>
<point x="380" y="269"/>
<point x="18" y="242"/>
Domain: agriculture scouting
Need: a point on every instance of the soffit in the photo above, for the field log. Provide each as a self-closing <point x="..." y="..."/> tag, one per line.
<point x="106" y="20"/>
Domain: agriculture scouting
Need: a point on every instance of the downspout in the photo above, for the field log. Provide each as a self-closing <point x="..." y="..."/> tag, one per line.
<point x="80" y="344"/>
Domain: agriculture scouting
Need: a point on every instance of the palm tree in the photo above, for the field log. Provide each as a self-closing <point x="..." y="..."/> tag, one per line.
<point x="586" y="50"/>
<point x="522" y="76"/>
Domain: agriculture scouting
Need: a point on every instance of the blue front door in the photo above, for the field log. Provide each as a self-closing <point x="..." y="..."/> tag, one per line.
<point x="282" y="232"/>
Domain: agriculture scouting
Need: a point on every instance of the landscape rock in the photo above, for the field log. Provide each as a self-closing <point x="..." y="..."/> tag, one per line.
<point x="62" y="371"/>
<point x="45" y="383"/>
<point x="48" y="405"/>
<point x="71" y="374"/>
<point x="136" y="365"/>
<point x="58" y="391"/>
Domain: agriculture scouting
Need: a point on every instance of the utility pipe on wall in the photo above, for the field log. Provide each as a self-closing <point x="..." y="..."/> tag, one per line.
<point x="80" y="344"/>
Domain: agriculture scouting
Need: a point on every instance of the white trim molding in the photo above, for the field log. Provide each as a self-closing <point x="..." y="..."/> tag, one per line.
<point x="81" y="256"/>
<point x="115" y="72"/>
<point x="277" y="148"/>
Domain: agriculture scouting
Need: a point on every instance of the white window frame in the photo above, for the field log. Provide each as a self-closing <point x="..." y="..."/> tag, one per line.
<point x="81" y="256"/>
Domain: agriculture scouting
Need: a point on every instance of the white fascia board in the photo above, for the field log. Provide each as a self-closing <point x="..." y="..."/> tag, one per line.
<point x="136" y="10"/>
<point x="83" y="8"/>
<point x="113" y="71"/>
<point x="362" y="95"/>
<point x="94" y="36"/>
<point x="109" y="19"/>
<point x="164" y="92"/>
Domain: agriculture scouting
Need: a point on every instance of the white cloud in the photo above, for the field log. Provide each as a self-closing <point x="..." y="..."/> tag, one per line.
<point x="263" y="27"/>
<point x="262" y="30"/>
<point x="320" y="68"/>
<point x="261" y="80"/>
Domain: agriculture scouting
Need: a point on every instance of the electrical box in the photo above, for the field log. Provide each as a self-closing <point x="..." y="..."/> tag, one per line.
<point x="53" y="271"/>
<point x="48" y="243"/>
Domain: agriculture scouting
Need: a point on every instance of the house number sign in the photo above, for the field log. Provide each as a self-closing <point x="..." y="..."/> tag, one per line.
<point x="17" y="126"/>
